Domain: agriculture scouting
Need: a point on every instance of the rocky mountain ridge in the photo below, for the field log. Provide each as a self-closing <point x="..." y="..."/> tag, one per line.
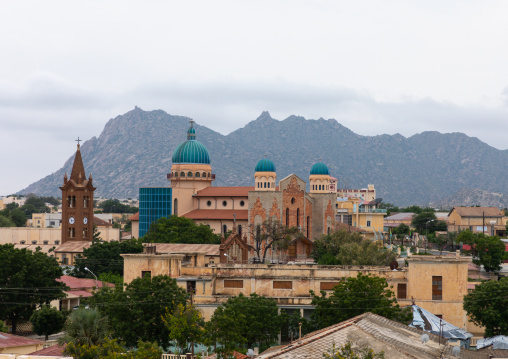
<point x="135" y="149"/>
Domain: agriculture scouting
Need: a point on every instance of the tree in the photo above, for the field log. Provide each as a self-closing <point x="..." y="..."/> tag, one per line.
<point x="402" y="230"/>
<point x="174" y="229"/>
<point x="112" y="349"/>
<point x="185" y="325"/>
<point x="487" y="306"/>
<point x="272" y="234"/>
<point x="115" y="206"/>
<point x="349" y="248"/>
<point x="347" y="351"/>
<point x="3" y="327"/>
<point x="136" y="313"/>
<point x="6" y="222"/>
<point x="355" y="296"/>
<point x="104" y="257"/>
<point x="487" y="251"/>
<point x="224" y="328"/>
<point x="86" y="327"/>
<point x="424" y="221"/>
<point x="47" y="321"/>
<point x="27" y="280"/>
<point x="18" y="217"/>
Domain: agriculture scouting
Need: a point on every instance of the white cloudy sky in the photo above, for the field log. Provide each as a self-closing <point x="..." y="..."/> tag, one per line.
<point x="66" y="67"/>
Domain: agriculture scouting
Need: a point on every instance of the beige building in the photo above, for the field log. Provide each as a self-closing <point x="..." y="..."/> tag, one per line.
<point x="363" y="215"/>
<point x="437" y="284"/>
<point x="488" y="220"/>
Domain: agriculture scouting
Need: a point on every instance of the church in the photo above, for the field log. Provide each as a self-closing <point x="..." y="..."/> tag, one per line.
<point x="238" y="213"/>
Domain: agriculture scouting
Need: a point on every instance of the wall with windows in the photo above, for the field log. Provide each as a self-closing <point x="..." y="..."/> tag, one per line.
<point x="154" y="203"/>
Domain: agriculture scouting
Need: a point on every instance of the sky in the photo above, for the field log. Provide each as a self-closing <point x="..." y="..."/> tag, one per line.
<point x="377" y="67"/>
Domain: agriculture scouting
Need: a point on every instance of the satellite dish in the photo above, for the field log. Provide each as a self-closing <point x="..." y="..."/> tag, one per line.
<point x="394" y="265"/>
<point x="425" y="338"/>
<point x="456" y="351"/>
<point x="250" y="353"/>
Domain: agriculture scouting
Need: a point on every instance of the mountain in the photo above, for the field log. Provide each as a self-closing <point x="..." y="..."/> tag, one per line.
<point x="135" y="149"/>
<point x="473" y="197"/>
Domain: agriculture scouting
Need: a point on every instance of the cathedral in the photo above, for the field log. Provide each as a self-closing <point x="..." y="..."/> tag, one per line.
<point x="238" y="212"/>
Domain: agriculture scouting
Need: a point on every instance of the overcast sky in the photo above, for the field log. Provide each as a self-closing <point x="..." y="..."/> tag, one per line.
<point x="377" y="67"/>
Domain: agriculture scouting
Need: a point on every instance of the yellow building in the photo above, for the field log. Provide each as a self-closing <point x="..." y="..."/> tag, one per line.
<point x="437" y="284"/>
<point x="488" y="220"/>
<point x="366" y="216"/>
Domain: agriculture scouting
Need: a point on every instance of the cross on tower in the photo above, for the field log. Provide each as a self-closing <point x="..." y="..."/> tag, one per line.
<point x="78" y="140"/>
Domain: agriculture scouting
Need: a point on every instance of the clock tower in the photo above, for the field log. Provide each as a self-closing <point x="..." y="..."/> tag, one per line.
<point x="77" y="203"/>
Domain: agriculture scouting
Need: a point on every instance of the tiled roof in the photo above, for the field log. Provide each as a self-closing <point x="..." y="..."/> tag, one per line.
<point x="10" y="340"/>
<point x="101" y="223"/>
<point x="242" y="214"/>
<point x="210" y="249"/>
<point x="134" y="217"/>
<point x="54" y="350"/>
<point x="73" y="246"/>
<point x="403" y="216"/>
<point x="478" y="211"/>
<point x="472" y="266"/>
<point x="471" y="286"/>
<point x="80" y="283"/>
<point x="224" y="192"/>
<point x="396" y="339"/>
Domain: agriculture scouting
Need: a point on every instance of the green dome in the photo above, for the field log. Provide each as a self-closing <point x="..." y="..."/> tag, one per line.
<point x="319" y="169"/>
<point x="265" y="165"/>
<point x="191" y="151"/>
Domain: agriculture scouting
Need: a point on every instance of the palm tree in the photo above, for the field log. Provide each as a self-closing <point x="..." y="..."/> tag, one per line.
<point x="86" y="327"/>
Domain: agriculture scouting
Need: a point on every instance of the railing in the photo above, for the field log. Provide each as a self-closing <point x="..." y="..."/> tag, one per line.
<point x="178" y="356"/>
<point x="370" y="210"/>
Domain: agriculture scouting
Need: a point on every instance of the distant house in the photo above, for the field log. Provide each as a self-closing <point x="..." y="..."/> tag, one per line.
<point x="15" y="344"/>
<point x="488" y="220"/>
<point x="78" y="288"/>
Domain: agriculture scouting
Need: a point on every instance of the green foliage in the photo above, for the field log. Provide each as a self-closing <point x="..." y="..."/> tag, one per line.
<point x="185" y="325"/>
<point x="3" y="327"/>
<point x="18" y="217"/>
<point x="402" y="230"/>
<point x="487" y="305"/>
<point x="427" y="221"/>
<point x="347" y="351"/>
<point x="136" y="313"/>
<point x="112" y="349"/>
<point x="6" y="221"/>
<point x="115" y="206"/>
<point x="291" y="322"/>
<point x="114" y="278"/>
<point x="174" y="229"/>
<point x="104" y="257"/>
<point x="86" y="327"/>
<point x="355" y="296"/>
<point x="349" y="248"/>
<point x="21" y="268"/>
<point x="47" y="321"/>
<point x="225" y="328"/>
<point x="487" y="251"/>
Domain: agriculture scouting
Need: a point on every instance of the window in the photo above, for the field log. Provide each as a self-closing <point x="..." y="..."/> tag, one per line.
<point x="182" y="174"/>
<point x="22" y="242"/>
<point x="401" y="291"/>
<point x="34" y="242"/>
<point x="208" y="203"/>
<point x="233" y="283"/>
<point x="328" y="285"/>
<point x="191" y="286"/>
<point x="282" y="284"/>
<point x="308" y="226"/>
<point x="224" y="203"/>
<point x="268" y="184"/>
<point x="240" y="230"/>
<point x="85" y="232"/>
<point x="189" y="174"/>
<point x="287" y="217"/>
<point x="242" y="203"/>
<point x="146" y="274"/>
<point x="224" y="229"/>
<point x="198" y="174"/>
<point x="265" y="184"/>
<point x="368" y="223"/>
<point x="293" y="200"/>
<point x="45" y="242"/>
<point x="57" y="242"/>
<point x="437" y="288"/>
<point x="204" y="174"/>
<point x="71" y="232"/>
<point x="176" y="174"/>
<point x="440" y="316"/>
<point x="65" y="260"/>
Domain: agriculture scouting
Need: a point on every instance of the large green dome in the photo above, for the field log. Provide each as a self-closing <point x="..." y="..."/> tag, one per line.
<point x="265" y="165"/>
<point x="191" y="151"/>
<point x="319" y="169"/>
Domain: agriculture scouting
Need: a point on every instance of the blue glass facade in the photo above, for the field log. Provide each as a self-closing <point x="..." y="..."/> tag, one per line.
<point x="154" y="203"/>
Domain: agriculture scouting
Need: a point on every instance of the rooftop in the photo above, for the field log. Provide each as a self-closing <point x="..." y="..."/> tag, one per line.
<point x="80" y="283"/>
<point x="477" y="211"/>
<point x="241" y="214"/>
<point x="224" y="192"/>
<point x="210" y="249"/>
<point x="10" y="340"/>
<point x="73" y="246"/>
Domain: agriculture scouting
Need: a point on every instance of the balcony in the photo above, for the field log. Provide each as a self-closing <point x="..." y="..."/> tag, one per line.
<point x="371" y="210"/>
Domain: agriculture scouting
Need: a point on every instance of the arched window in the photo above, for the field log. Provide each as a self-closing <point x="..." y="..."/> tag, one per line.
<point x="268" y="184"/>
<point x="208" y="174"/>
<point x="298" y="217"/>
<point x="265" y="184"/>
<point x="224" y="229"/>
<point x="73" y="201"/>
<point x="287" y="217"/>
<point x="308" y="226"/>
<point x="240" y="230"/>
<point x="175" y="207"/>
<point x="198" y="174"/>
<point x="69" y="201"/>
<point x="182" y="174"/>
<point x="176" y="174"/>
<point x="189" y="174"/>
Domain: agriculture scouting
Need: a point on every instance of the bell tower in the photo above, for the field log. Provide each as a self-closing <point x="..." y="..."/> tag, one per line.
<point x="77" y="203"/>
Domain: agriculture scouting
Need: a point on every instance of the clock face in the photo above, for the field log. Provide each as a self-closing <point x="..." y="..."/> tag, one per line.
<point x="85" y="220"/>
<point x="71" y="220"/>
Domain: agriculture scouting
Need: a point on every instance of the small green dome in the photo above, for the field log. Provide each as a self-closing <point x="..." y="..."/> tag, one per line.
<point x="191" y="151"/>
<point x="265" y="165"/>
<point x="319" y="169"/>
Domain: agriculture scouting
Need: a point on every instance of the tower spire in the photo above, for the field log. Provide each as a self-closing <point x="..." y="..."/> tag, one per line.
<point x="78" y="170"/>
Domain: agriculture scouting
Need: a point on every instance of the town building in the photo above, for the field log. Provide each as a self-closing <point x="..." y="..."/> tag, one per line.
<point x="488" y="220"/>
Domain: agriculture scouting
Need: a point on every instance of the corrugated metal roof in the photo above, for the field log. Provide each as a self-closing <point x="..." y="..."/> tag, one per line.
<point x="10" y="340"/>
<point x="403" y="216"/>
<point x="210" y="249"/>
<point x="73" y="246"/>
<point x="478" y="211"/>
